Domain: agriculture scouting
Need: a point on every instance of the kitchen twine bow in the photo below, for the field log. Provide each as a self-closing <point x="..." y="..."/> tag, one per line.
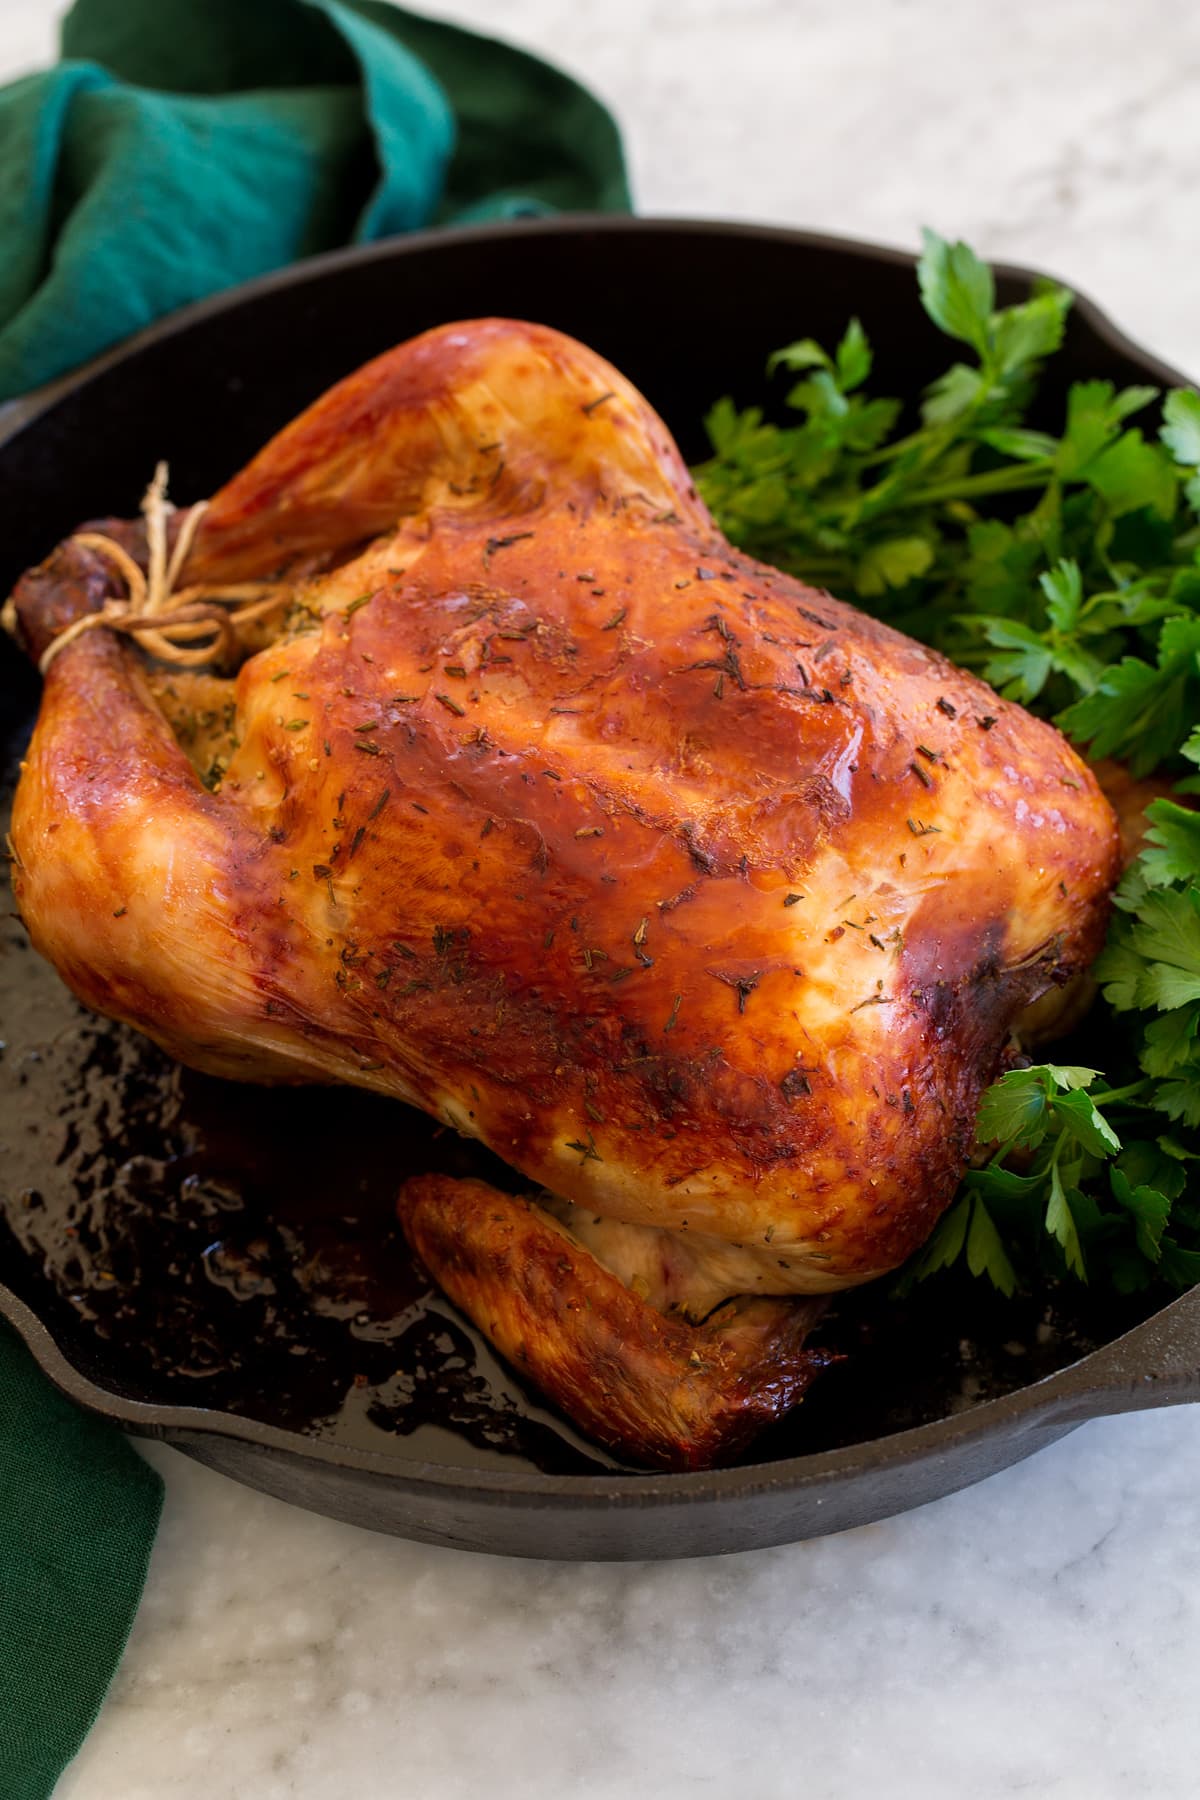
<point x="173" y="623"/>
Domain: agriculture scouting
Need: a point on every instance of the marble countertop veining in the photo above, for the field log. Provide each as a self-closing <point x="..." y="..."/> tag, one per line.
<point x="1037" y="1635"/>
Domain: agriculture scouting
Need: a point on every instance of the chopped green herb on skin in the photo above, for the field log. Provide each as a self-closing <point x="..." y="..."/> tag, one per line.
<point x="1063" y="565"/>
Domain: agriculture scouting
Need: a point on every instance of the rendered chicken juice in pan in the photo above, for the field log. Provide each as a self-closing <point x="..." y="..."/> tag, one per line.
<point x="705" y="901"/>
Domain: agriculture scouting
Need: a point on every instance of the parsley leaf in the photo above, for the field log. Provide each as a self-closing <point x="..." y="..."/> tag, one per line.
<point x="1174" y="844"/>
<point x="853" y="359"/>
<point x="957" y="290"/>
<point x="1158" y="952"/>
<point x="891" y="564"/>
<point x="1061" y="561"/>
<point x="1181" y="431"/>
<point x="1060" y="1223"/>
<point x="1149" y="1209"/>
<point x="1017" y="1109"/>
<point x="986" y="1254"/>
<point x="1081" y="1204"/>
<point x="1138" y="711"/>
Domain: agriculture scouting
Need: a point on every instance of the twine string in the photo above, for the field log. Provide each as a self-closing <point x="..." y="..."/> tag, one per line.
<point x="184" y="626"/>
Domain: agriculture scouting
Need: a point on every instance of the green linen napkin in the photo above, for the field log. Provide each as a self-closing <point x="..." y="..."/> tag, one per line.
<point x="182" y="146"/>
<point x="78" y="1511"/>
<point x="185" y="145"/>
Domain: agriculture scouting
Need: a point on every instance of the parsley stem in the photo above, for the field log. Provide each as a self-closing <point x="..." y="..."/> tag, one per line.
<point x="889" y="452"/>
<point x="994" y="481"/>
<point x="1105" y="1096"/>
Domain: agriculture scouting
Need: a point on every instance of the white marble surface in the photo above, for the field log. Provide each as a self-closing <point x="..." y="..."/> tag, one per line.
<point x="1038" y="1635"/>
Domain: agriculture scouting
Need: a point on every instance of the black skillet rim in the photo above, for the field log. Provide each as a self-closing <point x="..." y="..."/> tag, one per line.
<point x="1038" y="1400"/>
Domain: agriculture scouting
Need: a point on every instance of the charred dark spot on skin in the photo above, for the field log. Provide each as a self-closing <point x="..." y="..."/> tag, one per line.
<point x="703" y="858"/>
<point x="795" y="1085"/>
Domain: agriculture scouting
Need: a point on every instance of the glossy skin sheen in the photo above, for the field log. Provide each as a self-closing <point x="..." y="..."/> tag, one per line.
<point x="707" y="902"/>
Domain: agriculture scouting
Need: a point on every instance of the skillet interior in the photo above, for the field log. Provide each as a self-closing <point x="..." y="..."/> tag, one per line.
<point x="219" y="1264"/>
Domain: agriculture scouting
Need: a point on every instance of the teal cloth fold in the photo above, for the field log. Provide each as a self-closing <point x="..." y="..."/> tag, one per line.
<point x="180" y="147"/>
<point x="78" y="1513"/>
<point x="185" y="145"/>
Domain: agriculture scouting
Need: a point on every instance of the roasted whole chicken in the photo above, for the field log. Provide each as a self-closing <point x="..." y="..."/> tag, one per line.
<point x="704" y="900"/>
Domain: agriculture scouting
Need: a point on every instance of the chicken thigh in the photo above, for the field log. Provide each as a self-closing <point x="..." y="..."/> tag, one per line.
<point x="706" y="901"/>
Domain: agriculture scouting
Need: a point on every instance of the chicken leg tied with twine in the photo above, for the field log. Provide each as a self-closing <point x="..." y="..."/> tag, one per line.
<point x="187" y="626"/>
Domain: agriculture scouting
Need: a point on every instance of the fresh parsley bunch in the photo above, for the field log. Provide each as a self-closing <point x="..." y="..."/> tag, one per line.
<point x="1064" y="567"/>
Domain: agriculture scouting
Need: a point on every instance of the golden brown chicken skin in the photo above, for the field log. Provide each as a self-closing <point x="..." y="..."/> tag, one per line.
<point x="704" y="900"/>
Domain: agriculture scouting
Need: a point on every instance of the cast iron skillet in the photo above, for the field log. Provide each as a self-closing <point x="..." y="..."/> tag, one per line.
<point x="217" y="1266"/>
